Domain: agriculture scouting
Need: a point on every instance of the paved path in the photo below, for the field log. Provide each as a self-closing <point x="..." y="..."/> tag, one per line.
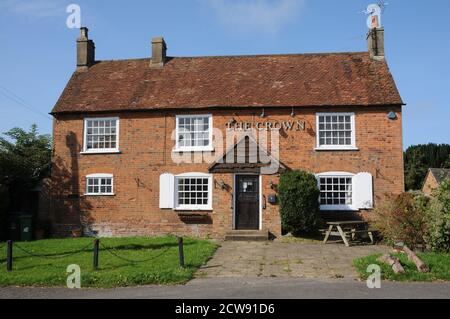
<point x="242" y="270"/>
<point x="242" y="288"/>
<point x="285" y="260"/>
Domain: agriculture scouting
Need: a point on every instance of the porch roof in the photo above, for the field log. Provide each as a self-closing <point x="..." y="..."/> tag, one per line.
<point x="247" y="156"/>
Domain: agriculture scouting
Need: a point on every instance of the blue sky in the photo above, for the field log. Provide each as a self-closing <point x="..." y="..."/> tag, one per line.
<point x="37" y="50"/>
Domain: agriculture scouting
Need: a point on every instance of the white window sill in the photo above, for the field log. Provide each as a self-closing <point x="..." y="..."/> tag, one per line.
<point x="97" y="152"/>
<point x="336" y="149"/>
<point x="342" y="208"/>
<point x="193" y="208"/>
<point x="193" y="150"/>
<point x="99" y="195"/>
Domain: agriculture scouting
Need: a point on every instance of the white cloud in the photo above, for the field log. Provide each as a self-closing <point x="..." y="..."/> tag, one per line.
<point x="34" y="8"/>
<point x="256" y="15"/>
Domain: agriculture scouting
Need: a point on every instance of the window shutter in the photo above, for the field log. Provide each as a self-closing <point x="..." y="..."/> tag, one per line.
<point x="166" y="191"/>
<point x="363" y="191"/>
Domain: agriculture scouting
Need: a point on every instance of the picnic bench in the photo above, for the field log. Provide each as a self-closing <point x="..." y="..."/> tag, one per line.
<point x="348" y="230"/>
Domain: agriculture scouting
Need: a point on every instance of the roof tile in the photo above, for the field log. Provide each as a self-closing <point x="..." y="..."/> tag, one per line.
<point x="335" y="79"/>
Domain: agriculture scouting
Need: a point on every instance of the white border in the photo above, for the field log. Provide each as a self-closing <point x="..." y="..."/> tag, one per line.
<point x="260" y="198"/>
<point x="103" y="150"/>
<point x="339" y="175"/>
<point x="194" y="207"/>
<point x="208" y="148"/>
<point x="100" y="176"/>
<point x="336" y="147"/>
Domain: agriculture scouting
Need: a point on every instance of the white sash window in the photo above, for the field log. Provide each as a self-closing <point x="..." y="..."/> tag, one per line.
<point x="190" y="191"/>
<point x="101" y="135"/>
<point x="194" y="133"/>
<point x="345" y="191"/>
<point x="336" y="131"/>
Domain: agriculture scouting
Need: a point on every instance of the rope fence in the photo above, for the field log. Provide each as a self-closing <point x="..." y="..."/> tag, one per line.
<point x="82" y="250"/>
<point x="113" y="252"/>
<point x="94" y="248"/>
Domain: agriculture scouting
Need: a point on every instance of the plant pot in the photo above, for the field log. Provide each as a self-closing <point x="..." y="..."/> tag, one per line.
<point x="77" y="232"/>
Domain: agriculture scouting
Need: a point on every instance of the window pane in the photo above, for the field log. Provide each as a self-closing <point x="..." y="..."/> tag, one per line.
<point x="193" y="131"/>
<point x="101" y="134"/>
<point x="193" y="191"/>
<point x="99" y="186"/>
<point x="334" y="130"/>
<point x="335" y="191"/>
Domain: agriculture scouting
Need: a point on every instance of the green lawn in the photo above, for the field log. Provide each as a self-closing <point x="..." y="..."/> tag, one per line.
<point x="439" y="264"/>
<point x="48" y="268"/>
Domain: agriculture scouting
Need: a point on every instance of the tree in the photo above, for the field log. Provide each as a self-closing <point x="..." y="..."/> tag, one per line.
<point x="25" y="159"/>
<point x="419" y="158"/>
<point x="439" y="219"/>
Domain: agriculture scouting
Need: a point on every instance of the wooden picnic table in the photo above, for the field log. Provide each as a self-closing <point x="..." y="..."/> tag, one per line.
<point x="347" y="229"/>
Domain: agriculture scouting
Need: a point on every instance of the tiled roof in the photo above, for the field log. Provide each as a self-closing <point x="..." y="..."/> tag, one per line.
<point x="335" y="79"/>
<point x="440" y="174"/>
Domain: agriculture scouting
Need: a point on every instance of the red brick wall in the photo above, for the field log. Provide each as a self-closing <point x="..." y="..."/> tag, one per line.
<point x="430" y="184"/>
<point x="146" y="147"/>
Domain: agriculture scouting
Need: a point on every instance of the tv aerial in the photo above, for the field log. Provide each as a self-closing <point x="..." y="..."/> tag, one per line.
<point x="374" y="12"/>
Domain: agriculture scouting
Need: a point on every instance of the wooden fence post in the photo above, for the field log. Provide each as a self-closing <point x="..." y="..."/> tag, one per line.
<point x="96" y="249"/>
<point x="9" y="256"/>
<point x="181" y="251"/>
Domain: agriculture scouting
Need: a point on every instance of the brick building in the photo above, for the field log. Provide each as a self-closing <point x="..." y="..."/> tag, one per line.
<point x="195" y="145"/>
<point x="434" y="177"/>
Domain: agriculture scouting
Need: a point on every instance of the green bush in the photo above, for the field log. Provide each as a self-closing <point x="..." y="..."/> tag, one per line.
<point x="403" y="218"/>
<point x="299" y="202"/>
<point x="438" y="237"/>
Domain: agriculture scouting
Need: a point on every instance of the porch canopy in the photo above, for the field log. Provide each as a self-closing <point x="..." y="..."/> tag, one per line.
<point x="248" y="157"/>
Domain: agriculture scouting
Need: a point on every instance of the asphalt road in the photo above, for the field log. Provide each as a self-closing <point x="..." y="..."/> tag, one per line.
<point x="240" y="288"/>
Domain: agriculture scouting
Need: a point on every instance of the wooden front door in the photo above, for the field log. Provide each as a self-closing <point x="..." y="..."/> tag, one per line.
<point x="247" y="202"/>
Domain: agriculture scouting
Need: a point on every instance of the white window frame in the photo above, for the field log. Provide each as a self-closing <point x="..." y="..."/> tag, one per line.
<point x="338" y="175"/>
<point x="208" y="148"/>
<point x="195" y="207"/>
<point x="102" y="150"/>
<point x="100" y="176"/>
<point x="351" y="147"/>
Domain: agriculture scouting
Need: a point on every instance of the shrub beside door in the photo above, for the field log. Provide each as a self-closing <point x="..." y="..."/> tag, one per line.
<point x="299" y="202"/>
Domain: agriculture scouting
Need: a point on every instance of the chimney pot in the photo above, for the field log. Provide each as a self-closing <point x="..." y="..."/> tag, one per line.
<point x="375" y="41"/>
<point x="159" y="49"/>
<point x="84" y="33"/>
<point x="85" y="50"/>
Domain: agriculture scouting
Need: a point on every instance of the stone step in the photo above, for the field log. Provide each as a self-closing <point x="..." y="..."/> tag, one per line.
<point x="247" y="235"/>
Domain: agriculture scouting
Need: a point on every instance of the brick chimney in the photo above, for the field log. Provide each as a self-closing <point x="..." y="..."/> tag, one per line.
<point x="85" y="50"/>
<point x="375" y="40"/>
<point x="159" y="49"/>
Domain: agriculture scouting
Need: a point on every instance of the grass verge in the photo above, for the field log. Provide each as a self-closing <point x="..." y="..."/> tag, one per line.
<point x="153" y="261"/>
<point x="439" y="264"/>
